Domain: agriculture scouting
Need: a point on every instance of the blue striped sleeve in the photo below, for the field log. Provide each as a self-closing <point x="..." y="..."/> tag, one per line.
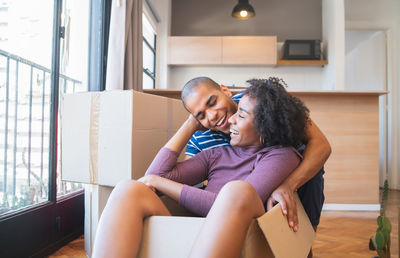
<point x="192" y="147"/>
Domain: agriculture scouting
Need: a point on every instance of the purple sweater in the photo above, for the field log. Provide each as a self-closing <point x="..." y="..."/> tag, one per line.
<point x="264" y="168"/>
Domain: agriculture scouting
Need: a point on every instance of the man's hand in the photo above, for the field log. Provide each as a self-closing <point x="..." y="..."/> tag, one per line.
<point x="284" y="195"/>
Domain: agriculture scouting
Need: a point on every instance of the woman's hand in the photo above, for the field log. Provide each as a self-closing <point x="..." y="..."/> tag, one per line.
<point x="194" y="123"/>
<point x="149" y="181"/>
<point x="162" y="185"/>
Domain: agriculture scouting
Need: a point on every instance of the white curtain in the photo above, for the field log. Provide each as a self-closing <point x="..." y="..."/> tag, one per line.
<point x="124" y="63"/>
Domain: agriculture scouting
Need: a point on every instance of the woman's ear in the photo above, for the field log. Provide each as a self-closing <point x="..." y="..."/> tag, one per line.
<point x="225" y="90"/>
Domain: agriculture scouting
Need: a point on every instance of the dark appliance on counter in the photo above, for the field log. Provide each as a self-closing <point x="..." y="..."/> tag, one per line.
<point x="302" y="49"/>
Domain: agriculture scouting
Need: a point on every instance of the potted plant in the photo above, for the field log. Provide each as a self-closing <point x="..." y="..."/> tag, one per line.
<point x="381" y="241"/>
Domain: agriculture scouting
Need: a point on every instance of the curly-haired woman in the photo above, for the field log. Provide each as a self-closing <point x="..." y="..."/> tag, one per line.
<point x="264" y="132"/>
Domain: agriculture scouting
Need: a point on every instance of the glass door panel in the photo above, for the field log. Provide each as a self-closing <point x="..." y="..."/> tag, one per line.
<point x="25" y="61"/>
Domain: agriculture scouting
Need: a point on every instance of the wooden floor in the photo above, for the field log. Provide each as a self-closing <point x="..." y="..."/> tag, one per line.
<point x="340" y="233"/>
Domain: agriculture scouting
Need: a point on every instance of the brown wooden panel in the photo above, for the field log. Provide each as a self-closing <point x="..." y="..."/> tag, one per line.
<point x="282" y="62"/>
<point x="351" y="125"/>
<point x="195" y="50"/>
<point x="249" y="50"/>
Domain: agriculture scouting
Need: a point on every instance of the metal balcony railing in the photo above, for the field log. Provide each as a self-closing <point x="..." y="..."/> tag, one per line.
<point x="25" y="91"/>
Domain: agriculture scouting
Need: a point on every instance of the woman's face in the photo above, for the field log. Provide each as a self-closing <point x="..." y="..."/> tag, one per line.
<point x="242" y="130"/>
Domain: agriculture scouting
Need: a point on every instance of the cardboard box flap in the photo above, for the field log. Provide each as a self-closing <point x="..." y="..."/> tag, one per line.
<point x="283" y="241"/>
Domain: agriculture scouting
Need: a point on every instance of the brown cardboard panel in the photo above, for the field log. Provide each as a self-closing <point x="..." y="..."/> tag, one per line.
<point x="131" y="127"/>
<point x="149" y="111"/>
<point x="145" y="146"/>
<point x="178" y="114"/>
<point x="255" y="245"/>
<point x="279" y="236"/>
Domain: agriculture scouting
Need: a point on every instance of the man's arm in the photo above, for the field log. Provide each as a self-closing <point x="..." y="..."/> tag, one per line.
<point x="315" y="155"/>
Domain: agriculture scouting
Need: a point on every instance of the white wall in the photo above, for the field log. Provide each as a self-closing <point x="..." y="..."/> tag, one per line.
<point x="365" y="60"/>
<point x="384" y="15"/>
<point x="366" y="70"/>
<point x="297" y="78"/>
<point x="333" y="39"/>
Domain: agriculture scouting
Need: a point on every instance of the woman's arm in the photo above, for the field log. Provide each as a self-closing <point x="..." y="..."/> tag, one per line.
<point x="272" y="170"/>
<point x="183" y="135"/>
<point x="165" y="186"/>
<point x="174" y="179"/>
<point x="191" y="172"/>
<point x="192" y="198"/>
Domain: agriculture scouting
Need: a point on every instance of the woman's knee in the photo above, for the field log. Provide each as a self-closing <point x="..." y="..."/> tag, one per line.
<point x="130" y="189"/>
<point x="138" y="196"/>
<point x="240" y="195"/>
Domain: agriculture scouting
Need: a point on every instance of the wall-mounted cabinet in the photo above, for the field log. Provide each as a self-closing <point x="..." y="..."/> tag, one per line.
<point x="236" y="50"/>
<point x="249" y="50"/>
<point x="195" y="50"/>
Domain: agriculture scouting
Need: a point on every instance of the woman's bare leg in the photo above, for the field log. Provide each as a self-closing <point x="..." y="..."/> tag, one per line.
<point x="226" y="225"/>
<point x="120" y="227"/>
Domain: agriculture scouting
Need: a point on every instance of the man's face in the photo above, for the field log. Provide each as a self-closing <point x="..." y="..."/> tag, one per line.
<point x="211" y="107"/>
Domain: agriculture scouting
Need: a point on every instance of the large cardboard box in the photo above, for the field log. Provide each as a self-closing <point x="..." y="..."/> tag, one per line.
<point x="268" y="236"/>
<point x="110" y="136"/>
<point x="173" y="237"/>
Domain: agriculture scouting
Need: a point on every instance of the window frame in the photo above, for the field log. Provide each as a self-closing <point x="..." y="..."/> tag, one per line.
<point x="150" y="19"/>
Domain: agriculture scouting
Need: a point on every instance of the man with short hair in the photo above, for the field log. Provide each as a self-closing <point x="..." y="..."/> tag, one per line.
<point x="211" y="105"/>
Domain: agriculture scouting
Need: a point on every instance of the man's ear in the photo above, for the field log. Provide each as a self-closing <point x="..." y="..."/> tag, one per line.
<point x="225" y="90"/>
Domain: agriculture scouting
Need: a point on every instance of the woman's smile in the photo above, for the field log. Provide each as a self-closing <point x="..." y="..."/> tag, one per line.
<point x="242" y="129"/>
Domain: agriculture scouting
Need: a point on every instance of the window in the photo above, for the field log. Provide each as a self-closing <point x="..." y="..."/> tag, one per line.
<point x="44" y="53"/>
<point x="149" y="54"/>
<point x="25" y="85"/>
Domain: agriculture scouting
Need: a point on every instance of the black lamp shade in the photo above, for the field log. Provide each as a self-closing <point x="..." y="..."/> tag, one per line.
<point x="243" y="10"/>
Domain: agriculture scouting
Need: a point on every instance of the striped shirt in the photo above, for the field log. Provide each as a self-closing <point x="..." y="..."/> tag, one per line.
<point x="204" y="140"/>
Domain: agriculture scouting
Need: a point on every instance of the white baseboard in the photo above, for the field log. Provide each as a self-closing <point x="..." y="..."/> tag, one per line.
<point x="350" y="207"/>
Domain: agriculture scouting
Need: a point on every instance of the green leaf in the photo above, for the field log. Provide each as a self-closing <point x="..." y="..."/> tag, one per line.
<point x="386" y="224"/>
<point x="379" y="220"/>
<point x="385" y="235"/>
<point x="380" y="239"/>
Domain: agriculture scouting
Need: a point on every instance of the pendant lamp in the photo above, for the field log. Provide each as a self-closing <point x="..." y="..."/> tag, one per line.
<point x="243" y="10"/>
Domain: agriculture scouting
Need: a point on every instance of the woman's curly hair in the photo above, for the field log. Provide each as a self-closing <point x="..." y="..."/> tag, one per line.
<point x="280" y="118"/>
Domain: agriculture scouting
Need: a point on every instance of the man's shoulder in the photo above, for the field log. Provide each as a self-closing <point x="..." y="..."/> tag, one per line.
<point x="209" y="139"/>
<point x="209" y="134"/>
